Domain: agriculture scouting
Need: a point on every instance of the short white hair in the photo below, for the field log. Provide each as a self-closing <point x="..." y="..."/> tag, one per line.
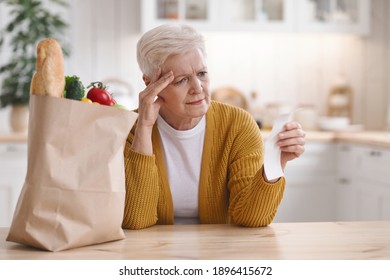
<point x="157" y="44"/>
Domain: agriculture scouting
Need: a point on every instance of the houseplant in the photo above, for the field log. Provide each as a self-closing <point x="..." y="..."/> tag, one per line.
<point x="30" y="21"/>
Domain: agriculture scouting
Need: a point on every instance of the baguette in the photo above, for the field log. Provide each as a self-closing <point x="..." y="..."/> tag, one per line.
<point x="48" y="78"/>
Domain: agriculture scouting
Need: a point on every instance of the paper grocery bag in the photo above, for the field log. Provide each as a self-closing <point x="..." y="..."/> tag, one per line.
<point x="74" y="190"/>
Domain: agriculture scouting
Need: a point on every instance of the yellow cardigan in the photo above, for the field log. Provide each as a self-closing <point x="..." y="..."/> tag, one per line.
<point x="231" y="187"/>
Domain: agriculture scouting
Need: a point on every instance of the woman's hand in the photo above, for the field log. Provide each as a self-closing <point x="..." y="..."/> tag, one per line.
<point x="149" y="102"/>
<point x="149" y="106"/>
<point x="291" y="142"/>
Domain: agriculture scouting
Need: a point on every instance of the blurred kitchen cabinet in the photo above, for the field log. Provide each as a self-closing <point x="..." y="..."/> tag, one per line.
<point x="361" y="199"/>
<point x="201" y="14"/>
<point x="350" y="16"/>
<point x="220" y="15"/>
<point x="337" y="181"/>
<point x="257" y="15"/>
<point x="364" y="182"/>
<point x="13" y="167"/>
<point x="311" y="186"/>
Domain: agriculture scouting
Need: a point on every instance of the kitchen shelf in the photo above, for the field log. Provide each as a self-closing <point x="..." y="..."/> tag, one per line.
<point x="220" y="15"/>
<point x="257" y="15"/>
<point x="350" y="16"/>
<point x="346" y="16"/>
<point x="198" y="13"/>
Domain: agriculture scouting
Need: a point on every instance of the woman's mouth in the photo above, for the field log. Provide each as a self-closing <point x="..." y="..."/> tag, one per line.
<point x="196" y="102"/>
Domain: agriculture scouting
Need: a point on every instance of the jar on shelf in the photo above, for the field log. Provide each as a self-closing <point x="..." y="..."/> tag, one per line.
<point x="340" y="99"/>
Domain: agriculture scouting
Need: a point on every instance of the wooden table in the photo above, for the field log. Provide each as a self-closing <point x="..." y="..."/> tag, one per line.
<point x="303" y="241"/>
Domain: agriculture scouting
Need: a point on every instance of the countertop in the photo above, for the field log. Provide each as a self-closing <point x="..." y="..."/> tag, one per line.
<point x="13" y="137"/>
<point x="376" y="138"/>
<point x="305" y="241"/>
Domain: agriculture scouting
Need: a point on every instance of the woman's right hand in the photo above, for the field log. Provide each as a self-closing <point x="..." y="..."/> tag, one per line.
<point x="149" y="107"/>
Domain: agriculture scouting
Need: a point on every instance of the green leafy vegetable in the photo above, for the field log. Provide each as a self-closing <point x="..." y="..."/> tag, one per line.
<point x="74" y="88"/>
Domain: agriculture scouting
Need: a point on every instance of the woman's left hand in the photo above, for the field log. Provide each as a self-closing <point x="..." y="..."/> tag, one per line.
<point x="291" y="142"/>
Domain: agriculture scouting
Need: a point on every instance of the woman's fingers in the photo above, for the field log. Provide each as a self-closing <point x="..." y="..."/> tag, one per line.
<point x="292" y="130"/>
<point x="156" y="86"/>
<point x="149" y="101"/>
<point x="295" y="149"/>
<point x="292" y="141"/>
<point x="156" y="75"/>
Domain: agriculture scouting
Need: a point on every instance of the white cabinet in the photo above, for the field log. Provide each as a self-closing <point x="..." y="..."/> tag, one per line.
<point x="256" y="15"/>
<point x="364" y="182"/>
<point x="311" y="186"/>
<point x="337" y="181"/>
<point x="350" y="16"/>
<point x="13" y="167"/>
<point x="220" y="15"/>
<point x="200" y="14"/>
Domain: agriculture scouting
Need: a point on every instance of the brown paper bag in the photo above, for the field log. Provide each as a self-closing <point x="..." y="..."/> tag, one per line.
<point x="74" y="189"/>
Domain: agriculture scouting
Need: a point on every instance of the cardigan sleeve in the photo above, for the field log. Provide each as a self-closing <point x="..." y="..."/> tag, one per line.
<point x="253" y="202"/>
<point x="142" y="189"/>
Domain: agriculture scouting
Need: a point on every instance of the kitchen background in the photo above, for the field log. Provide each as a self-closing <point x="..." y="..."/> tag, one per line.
<point x="288" y="67"/>
<point x="293" y="63"/>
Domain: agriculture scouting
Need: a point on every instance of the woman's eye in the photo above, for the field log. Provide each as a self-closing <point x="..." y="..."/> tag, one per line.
<point x="202" y="74"/>
<point x="179" y="82"/>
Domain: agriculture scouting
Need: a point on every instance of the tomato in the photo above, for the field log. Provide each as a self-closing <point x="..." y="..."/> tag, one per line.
<point x="113" y="102"/>
<point x="99" y="94"/>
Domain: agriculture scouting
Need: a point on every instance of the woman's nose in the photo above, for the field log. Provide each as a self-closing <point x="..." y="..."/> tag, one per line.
<point x="196" y="86"/>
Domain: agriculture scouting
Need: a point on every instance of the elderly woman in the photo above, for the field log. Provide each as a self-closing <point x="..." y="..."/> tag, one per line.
<point x="189" y="159"/>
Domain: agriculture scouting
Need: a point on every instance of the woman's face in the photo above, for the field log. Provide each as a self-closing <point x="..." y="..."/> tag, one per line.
<point x="187" y="98"/>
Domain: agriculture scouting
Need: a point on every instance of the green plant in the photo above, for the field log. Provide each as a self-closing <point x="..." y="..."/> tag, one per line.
<point x="30" y="21"/>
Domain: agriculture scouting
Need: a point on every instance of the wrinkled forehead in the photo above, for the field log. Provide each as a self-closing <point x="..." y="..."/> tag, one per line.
<point x="190" y="61"/>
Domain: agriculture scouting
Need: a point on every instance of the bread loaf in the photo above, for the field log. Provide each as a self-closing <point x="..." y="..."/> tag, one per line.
<point x="48" y="78"/>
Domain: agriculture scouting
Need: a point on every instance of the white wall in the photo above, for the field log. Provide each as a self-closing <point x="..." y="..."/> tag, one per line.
<point x="296" y="68"/>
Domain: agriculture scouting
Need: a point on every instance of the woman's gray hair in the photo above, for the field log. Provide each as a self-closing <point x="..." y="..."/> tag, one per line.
<point x="157" y="44"/>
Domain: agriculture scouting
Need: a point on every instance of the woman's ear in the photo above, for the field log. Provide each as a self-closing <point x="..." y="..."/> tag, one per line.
<point x="146" y="79"/>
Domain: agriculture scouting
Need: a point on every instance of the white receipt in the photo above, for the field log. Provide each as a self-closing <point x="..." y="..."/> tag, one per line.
<point x="272" y="166"/>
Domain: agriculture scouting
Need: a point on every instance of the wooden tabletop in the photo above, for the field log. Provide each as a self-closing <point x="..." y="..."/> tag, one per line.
<point x="303" y="241"/>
